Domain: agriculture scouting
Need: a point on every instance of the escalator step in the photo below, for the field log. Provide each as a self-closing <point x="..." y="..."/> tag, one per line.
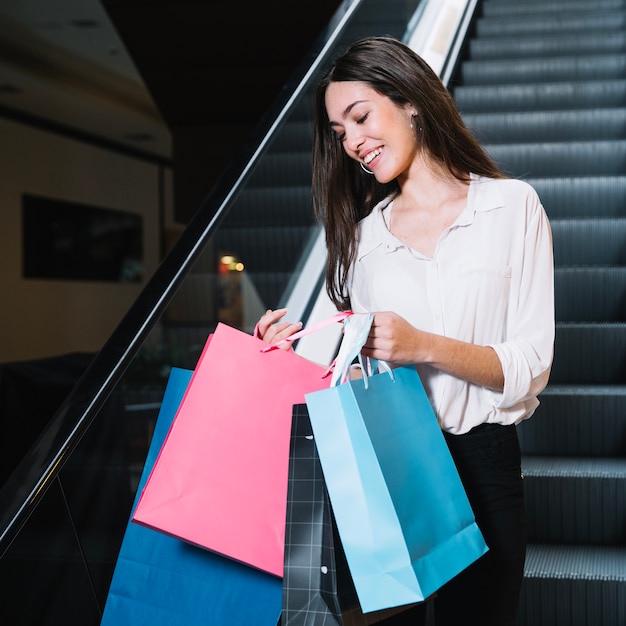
<point x="575" y="158"/>
<point x="548" y="23"/>
<point x="563" y="496"/>
<point x="541" y="96"/>
<point x="295" y="136"/>
<point x="534" y="126"/>
<point x="501" y="72"/>
<point x="589" y="196"/>
<point x="555" y="45"/>
<point x="592" y="241"/>
<point x="573" y="586"/>
<point x="274" y="170"/>
<point x="575" y="421"/>
<point x="504" y="8"/>
<point x="590" y="294"/>
<point x="589" y="354"/>
<point x="267" y="206"/>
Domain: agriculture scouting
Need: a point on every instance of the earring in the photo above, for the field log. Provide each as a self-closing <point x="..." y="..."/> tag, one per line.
<point x="365" y="168"/>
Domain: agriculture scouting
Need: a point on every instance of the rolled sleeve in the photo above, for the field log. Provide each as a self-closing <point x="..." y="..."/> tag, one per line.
<point x="525" y="374"/>
<point x="527" y="355"/>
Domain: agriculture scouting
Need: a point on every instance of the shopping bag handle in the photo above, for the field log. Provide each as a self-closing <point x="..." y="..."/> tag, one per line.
<point x="356" y="331"/>
<point x="333" y="319"/>
<point x="369" y="367"/>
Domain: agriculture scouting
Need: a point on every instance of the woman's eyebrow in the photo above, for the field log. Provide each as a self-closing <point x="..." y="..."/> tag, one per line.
<point x="346" y="111"/>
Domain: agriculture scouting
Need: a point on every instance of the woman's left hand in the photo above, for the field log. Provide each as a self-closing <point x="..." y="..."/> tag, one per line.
<point x="272" y="328"/>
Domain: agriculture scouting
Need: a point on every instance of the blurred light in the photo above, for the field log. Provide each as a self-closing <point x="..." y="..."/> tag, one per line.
<point x="229" y="263"/>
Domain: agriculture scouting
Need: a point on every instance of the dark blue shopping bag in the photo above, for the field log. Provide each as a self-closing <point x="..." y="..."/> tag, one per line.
<point x="163" y="581"/>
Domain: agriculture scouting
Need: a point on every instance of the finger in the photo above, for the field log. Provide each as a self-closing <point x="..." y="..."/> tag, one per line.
<point x="266" y="321"/>
<point x="288" y="328"/>
<point x="273" y="331"/>
<point x="284" y="331"/>
<point x="272" y="316"/>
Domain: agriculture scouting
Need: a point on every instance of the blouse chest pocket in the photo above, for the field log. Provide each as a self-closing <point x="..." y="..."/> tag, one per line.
<point x="480" y="297"/>
<point x="488" y="282"/>
<point x="486" y="271"/>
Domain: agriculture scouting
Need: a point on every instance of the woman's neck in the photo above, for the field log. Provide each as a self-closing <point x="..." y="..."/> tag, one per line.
<point x="428" y="203"/>
<point x="430" y="188"/>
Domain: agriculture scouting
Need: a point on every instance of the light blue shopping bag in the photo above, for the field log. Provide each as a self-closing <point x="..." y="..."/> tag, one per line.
<point x="402" y="513"/>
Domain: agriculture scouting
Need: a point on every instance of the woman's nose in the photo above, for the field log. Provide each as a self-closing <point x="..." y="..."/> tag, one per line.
<point x="354" y="140"/>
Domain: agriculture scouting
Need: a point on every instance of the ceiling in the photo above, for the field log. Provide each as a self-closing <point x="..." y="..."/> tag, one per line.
<point x="132" y="72"/>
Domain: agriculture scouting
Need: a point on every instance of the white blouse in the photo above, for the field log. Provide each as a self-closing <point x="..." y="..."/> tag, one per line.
<point x="490" y="282"/>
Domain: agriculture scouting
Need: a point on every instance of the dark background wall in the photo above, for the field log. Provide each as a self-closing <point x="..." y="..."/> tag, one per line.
<point x="213" y="69"/>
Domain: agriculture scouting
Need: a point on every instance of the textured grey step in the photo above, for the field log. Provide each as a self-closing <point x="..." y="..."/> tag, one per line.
<point x="581" y="562"/>
<point x="541" y="96"/>
<point x="573" y="586"/>
<point x="589" y="354"/>
<point x="589" y="196"/>
<point x="497" y="48"/>
<point x="575" y="158"/>
<point x="284" y="168"/>
<point x="564" y="496"/>
<point x="492" y="8"/>
<point x="294" y="136"/>
<point x="592" y="241"/>
<point x="590" y="294"/>
<point x="534" y="126"/>
<point x="574" y="421"/>
<point x="264" y="206"/>
<point x="534" y="70"/>
<point x="547" y="23"/>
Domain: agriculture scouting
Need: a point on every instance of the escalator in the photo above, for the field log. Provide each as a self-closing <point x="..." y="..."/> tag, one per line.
<point x="64" y="509"/>
<point x="543" y="86"/>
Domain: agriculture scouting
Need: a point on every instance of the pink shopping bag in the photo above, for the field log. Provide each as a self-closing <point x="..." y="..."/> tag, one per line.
<point x="220" y="480"/>
<point x="162" y="581"/>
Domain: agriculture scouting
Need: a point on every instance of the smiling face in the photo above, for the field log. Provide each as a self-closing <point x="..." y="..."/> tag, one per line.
<point x="372" y="128"/>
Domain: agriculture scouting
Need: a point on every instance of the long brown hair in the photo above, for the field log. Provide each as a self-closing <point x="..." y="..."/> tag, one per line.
<point x="342" y="193"/>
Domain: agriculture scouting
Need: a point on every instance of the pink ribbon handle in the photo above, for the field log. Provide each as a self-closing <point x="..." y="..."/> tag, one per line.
<point x="333" y="319"/>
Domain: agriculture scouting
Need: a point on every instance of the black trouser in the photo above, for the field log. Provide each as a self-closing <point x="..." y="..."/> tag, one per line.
<point x="488" y="459"/>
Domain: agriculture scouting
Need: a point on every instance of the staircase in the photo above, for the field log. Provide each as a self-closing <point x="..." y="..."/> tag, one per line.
<point x="543" y="86"/>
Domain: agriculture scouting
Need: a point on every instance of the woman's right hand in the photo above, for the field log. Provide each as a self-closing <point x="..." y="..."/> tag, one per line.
<point x="269" y="328"/>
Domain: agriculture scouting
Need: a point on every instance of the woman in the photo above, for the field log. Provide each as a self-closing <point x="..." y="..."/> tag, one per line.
<point x="455" y="261"/>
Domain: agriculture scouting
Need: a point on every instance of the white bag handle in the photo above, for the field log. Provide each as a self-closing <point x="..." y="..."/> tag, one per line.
<point x="356" y="328"/>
